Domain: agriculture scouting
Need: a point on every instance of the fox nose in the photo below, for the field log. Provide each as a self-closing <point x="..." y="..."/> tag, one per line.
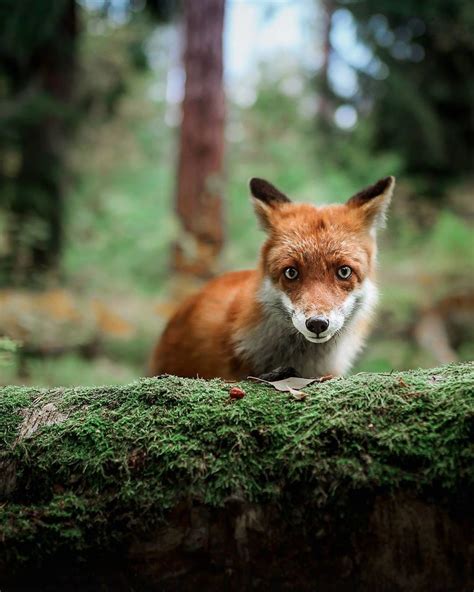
<point x="317" y="324"/>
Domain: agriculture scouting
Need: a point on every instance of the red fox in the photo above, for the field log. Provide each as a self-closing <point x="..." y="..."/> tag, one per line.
<point x="308" y="305"/>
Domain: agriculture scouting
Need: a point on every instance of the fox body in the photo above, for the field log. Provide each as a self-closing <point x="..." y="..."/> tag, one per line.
<point x="308" y="304"/>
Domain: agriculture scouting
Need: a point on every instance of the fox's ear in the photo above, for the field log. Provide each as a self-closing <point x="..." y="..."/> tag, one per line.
<point x="266" y="199"/>
<point x="373" y="201"/>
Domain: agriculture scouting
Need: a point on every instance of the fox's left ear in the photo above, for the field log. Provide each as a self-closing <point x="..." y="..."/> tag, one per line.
<point x="373" y="201"/>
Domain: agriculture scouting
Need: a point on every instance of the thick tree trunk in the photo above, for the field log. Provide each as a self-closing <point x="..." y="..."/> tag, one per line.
<point x="199" y="184"/>
<point x="168" y="484"/>
<point x="37" y="210"/>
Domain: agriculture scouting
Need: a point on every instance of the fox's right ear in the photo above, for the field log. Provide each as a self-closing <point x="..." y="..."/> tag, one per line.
<point x="266" y="199"/>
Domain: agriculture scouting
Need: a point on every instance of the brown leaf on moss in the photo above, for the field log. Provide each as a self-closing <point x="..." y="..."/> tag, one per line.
<point x="326" y="377"/>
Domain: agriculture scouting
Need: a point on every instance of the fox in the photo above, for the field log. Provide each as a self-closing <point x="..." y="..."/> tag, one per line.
<point x="307" y="306"/>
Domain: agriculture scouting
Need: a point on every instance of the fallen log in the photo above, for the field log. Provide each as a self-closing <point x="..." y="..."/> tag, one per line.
<point x="171" y="484"/>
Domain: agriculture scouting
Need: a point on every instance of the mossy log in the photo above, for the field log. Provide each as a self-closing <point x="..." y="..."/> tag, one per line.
<point x="169" y="484"/>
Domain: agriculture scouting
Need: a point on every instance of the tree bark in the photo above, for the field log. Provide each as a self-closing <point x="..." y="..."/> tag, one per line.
<point x="201" y="152"/>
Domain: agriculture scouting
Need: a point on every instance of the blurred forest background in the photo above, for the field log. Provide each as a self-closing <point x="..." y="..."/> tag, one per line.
<point x="129" y="130"/>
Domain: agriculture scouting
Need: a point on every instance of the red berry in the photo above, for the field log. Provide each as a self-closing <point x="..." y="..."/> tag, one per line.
<point x="236" y="393"/>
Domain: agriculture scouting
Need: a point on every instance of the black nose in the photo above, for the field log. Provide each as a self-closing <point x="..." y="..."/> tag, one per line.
<point x="317" y="324"/>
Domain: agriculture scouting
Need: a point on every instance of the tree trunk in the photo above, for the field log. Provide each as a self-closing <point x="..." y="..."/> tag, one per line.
<point x="326" y="96"/>
<point x="37" y="210"/>
<point x="199" y="183"/>
<point x="169" y="484"/>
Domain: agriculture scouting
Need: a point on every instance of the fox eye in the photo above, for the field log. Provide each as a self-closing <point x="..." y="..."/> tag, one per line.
<point x="344" y="272"/>
<point x="291" y="273"/>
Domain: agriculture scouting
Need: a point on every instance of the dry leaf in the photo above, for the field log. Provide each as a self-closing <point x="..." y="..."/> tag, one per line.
<point x="298" y="395"/>
<point x="285" y="385"/>
<point x="292" y="385"/>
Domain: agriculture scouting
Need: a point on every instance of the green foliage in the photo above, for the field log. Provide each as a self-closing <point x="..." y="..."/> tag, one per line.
<point x="37" y="64"/>
<point x="8" y="350"/>
<point x="69" y="369"/>
<point x="354" y="155"/>
<point x="422" y="104"/>
<point x="121" y="457"/>
<point x="24" y="28"/>
<point x="47" y="90"/>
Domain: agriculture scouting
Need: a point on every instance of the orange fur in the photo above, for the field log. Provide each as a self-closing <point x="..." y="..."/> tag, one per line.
<point x="211" y="333"/>
<point x="198" y="339"/>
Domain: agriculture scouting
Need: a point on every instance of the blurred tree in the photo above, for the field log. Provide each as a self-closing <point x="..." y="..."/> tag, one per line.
<point x="37" y="59"/>
<point x="199" y="183"/>
<point x="418" y="87"/>
<point x="326" y="96"/>
<point x="44" y="94"/>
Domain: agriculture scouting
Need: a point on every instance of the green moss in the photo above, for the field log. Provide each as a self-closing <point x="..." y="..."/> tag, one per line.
<point x="127" y="454"/>
<point x="12" y="401"/>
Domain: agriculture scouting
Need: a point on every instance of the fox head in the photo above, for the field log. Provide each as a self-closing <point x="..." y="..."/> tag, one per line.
<point x="318" y="262"/>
